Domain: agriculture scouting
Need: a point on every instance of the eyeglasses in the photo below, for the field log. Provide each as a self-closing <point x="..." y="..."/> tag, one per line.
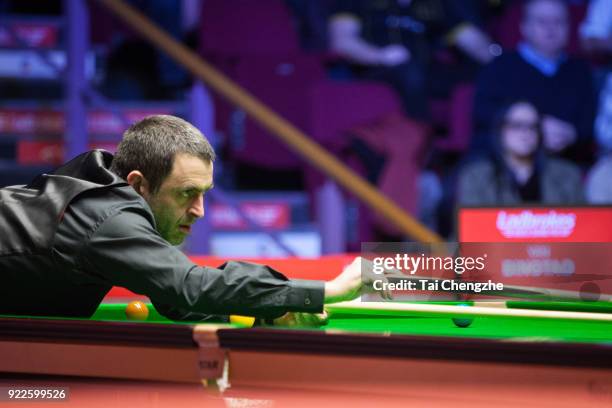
<point x="524" y="126"/>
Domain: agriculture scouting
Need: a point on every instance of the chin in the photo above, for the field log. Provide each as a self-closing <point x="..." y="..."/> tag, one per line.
<point x="175" y="240"/>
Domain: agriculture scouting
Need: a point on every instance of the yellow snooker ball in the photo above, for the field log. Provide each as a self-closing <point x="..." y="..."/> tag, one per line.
<point x="244" y="321"/>
<point x="136" y="310"/>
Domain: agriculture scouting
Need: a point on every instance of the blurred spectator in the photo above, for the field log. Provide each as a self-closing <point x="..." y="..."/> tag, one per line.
<point x="517" y="171"/>
<point x="596" y="36"/>
<point x="401" y="42"/>
<point x="599" y="185"/>
<point x="311" y="21"/>
<point x="603" y="122"/>
<point x="540" y="71"/>
<point x="131" y="71"/>
<point x="138" y="70"/>
<point x="394" y="40"/>
<point x="596" y="29"/>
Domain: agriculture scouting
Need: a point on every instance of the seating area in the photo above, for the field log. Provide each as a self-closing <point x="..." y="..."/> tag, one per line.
<point x="255" y="44"/>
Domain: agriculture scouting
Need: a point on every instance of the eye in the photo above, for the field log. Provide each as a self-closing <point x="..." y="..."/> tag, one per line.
<point x="186" y="193"/>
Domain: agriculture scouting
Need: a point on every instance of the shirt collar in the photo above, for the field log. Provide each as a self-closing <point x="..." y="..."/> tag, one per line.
<point x="545" y="65"/>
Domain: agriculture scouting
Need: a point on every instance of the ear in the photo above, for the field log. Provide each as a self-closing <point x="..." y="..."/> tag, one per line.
<point x="138" y="182"/>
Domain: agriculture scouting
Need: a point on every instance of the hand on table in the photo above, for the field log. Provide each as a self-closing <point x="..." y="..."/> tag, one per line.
<point x="297" y="319"/>
<point x="357" y="278"/>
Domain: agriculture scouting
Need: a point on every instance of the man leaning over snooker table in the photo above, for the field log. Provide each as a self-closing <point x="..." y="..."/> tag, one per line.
<point x="101" y="221"/>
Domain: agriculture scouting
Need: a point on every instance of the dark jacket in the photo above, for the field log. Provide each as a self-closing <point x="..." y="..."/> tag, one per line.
<point x="567" y="95"/>
<point x="69" y="236"/>
<point x="485" y="182"/>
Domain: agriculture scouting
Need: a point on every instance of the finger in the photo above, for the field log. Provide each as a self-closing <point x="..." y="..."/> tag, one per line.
<point x="383" y="293"/>
<point x="308" y="320"/>
<point x="286" y="320"/>
<point x="386" y="293"/>
<point x="318" y="319"/>
<point x="323" y="318"/>
<point x="298" y="319"/>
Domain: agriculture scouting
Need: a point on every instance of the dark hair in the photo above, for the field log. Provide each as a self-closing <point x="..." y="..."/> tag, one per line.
<point x="151" y="145"/>
<point x="499" y="122"/>
<point x="500" y="116"/>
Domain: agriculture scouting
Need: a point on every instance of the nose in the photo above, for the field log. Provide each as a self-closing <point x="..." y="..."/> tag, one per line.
<point x="197" y="207"/>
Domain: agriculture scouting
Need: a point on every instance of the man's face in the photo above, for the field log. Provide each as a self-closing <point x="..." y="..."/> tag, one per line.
<point x="546" y="27"/>
<point x="179" y="202"/>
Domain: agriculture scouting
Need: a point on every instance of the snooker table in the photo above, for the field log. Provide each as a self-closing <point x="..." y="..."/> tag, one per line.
<point x="356" y="357"/>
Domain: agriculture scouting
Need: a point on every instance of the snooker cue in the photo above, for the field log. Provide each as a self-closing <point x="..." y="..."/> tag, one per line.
<point x="524" y="292"/>
<point x="431" y="310"/>
<point x="593" y="307"/>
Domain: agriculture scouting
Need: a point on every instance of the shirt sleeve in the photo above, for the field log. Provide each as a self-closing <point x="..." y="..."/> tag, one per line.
<point x="126" y="250"/>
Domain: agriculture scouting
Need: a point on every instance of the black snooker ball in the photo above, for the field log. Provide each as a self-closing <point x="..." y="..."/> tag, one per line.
<point x="462" y="321"/>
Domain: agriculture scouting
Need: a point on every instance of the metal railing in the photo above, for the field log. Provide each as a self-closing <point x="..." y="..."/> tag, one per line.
<point x="276" y="125"/>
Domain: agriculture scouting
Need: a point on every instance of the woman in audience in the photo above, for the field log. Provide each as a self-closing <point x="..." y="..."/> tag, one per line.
<point x="517" y="171"/>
